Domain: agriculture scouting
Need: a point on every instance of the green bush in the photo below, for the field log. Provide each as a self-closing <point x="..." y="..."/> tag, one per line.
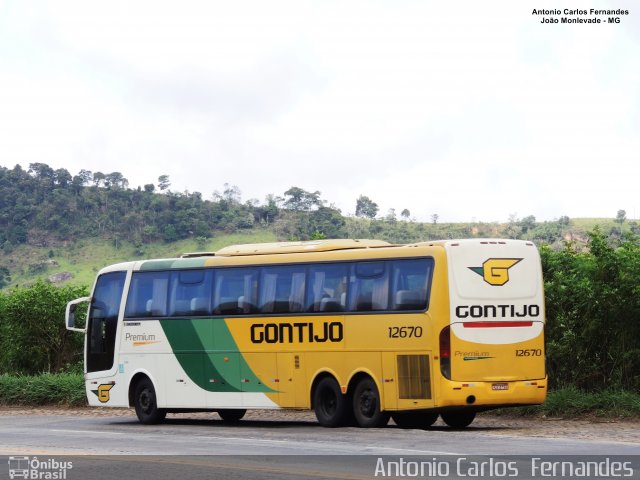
<point x="46" y="389"/>
<point x="572" y="402"/>
<point x="593" y="314"/>
<point x="33" y="337"/>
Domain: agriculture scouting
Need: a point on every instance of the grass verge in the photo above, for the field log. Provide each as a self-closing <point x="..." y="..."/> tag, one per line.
<point x="572" y="403"/>
<point x="65" y="389"/>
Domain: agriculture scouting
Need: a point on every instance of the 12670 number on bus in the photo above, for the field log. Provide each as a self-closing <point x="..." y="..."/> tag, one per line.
<point x="531" y="352"/>
<point x="405" y="332"/>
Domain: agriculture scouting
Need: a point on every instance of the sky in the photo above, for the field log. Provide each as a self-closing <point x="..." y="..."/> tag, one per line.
<point x="474" y="111"/>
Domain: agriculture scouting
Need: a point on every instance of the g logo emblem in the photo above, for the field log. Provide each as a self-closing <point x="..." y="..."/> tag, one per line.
<point x="103" y="392"/>
<point x="495" y="271"/>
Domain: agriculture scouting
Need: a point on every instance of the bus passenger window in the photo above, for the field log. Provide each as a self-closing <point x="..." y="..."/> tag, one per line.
<point x="327" y="288"/>
<point x="235" y="291"/>
<point x="369" y="287"/>
<point x="410" y="283"/>
<point x="147" y="295"/>
<point x="190" y="293"/>
<point x="282" y="289"/>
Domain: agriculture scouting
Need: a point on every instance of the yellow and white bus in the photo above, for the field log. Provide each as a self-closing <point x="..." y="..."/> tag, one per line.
<point x="357" y="330"/>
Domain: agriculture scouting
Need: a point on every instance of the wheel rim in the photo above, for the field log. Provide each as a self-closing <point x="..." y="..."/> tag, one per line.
<point x="329" y="403"/>
<point x="146" y="400"/>
<point x="368" y="403"/>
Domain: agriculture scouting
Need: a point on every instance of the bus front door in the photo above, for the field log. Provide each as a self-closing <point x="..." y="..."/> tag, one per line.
<point x="102" y="323"/>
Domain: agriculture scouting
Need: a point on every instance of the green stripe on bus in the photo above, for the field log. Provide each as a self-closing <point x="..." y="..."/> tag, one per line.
<point x="209" y="355"/>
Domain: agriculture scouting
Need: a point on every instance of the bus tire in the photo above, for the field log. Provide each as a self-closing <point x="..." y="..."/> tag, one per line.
<point x="146" y="404"/>
<point x="366" y="405"/>
<point x="231" y="415"/>
<point x="459" y="419"/>
<point x="330" y="405"/>
<point x="414" y="419"/>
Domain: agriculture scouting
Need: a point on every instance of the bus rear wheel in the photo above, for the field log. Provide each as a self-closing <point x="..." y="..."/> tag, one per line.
<point x="231" y="415"/>
<point x="145" y="402"/>
<point x="414" y="419"/>
<point x="366" y="405"/>
<point x="330" y="405"/>
<point x="458" y="419"/>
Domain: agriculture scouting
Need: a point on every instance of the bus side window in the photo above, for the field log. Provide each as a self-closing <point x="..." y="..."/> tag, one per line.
<point x="235" y="291"/>
<point x="148" y="295"/>
<point x="369" y="287"/>
<point x="190" y="293"/>
<point x="282" y="289"/>
<point x="327" y="288"/>
<point x="410" y="283"/>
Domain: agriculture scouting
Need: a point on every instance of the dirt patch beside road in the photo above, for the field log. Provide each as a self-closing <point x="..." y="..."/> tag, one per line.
<point x="616" y="430"/>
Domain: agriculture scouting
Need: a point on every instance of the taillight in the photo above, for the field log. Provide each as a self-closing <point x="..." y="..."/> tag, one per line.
<point x="445" y="352"/>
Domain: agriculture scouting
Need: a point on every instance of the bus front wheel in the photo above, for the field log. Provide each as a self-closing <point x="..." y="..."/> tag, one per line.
<point x="231" y="415"/>
<point x="330" y="405"/>
<point x="366" y="405"/>
<point x="146" y="404"/>
<point x="458" y="419"/>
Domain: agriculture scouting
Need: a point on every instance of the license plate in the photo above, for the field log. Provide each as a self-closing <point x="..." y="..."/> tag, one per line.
<point x="500" y="386"/>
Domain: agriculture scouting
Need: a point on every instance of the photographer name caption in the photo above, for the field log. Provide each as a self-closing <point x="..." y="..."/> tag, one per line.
<point x="592" y="16"/>
<point x="534" y="467"/>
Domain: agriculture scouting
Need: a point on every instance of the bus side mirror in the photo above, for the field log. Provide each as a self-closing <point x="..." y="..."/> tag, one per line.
<point x="70" y="314"/>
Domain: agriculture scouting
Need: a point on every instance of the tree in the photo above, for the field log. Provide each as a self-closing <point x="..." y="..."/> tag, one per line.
<point x="302" y="201"/>
<point x="434" y="218"/>
<point x="116" y="180"/>
<point x="163" y="182"/>
<point x="41" y="171"/>
<point x="62" y="177"/>
<point x="84" y="176"/>
<point x="232" y="194"/>
<point x="170" y="233"/>
<point x="528" y="223"/>
<point x="405" y="214"/>
<point x="98" y="178"/>
<point x="391" y="215"/>
<point x="621" y="216"/>
<point x="365" y="207"/>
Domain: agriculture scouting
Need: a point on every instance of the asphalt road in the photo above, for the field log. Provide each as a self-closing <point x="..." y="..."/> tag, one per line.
<point x="207" y="448"/>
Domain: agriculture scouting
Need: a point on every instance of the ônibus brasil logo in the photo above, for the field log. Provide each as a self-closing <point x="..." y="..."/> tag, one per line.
<point x="26" y="467"/>
<point x="495" y="271"/>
